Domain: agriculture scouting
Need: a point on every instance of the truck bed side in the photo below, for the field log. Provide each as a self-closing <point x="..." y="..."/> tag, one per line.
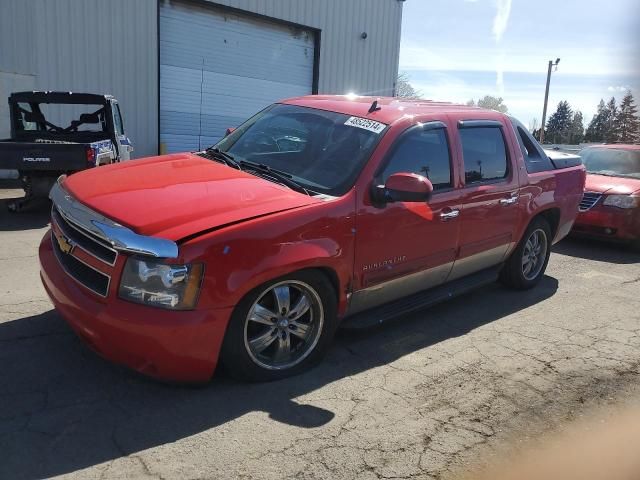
<point x="552" y="187"/>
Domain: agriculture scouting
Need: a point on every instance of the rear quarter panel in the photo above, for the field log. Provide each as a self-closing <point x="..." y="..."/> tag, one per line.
<point x="555" y="189"/>
<point x="559" y="190"/>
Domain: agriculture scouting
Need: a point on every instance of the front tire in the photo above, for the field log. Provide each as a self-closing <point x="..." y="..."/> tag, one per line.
<point x="281" y="328"/>
<point x="526" y="266"/>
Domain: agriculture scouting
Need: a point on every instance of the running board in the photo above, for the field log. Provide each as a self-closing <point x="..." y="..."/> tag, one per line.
<point x="418" y="301"/>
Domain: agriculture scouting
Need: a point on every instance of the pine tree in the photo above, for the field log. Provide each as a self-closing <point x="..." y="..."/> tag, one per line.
<point x="558" y="126"/>
<point x="576" y="130"/>
<point x="611" y="133"/>
<point x="596" y="128"/>
<point x="627" y="120"/>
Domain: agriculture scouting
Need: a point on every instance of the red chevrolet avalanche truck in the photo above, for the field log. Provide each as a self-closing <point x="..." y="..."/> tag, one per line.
<point x="317" y="211"/>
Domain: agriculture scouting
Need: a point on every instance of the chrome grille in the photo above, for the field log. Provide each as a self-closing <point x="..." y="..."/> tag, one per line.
<point x="82" y="273"/>
<point x="589" y="199"/>
<point x="89" y="242"/>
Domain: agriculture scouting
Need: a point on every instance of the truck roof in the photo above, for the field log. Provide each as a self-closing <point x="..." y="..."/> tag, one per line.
<point x="391" y="108"/>
<point x="59" y="97"/>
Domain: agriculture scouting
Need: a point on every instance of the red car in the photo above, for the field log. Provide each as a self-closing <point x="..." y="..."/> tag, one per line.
<point x="610" y="207"/>
<point x="317" y="211"/>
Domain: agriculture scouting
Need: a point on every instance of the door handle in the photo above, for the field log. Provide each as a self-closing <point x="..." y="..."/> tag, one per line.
<point x="449" y="215"/>
<point x="510" y="200"/>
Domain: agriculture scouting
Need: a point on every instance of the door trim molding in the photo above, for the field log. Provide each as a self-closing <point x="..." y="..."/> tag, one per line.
<point x="398" y="287"/>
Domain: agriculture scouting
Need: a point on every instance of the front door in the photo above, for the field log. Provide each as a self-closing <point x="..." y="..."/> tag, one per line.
<point x="489" y="216"/>
<point x="402" y="248"/>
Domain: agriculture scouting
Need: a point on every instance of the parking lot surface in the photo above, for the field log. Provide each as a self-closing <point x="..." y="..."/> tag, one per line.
<point x="430" y="394"/>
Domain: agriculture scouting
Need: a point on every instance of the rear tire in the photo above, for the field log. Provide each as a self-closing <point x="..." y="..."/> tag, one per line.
<point x="526" y="266"/>
<point x="282" y="328"/>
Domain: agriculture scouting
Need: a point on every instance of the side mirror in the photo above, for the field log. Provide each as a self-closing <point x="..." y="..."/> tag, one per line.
<point x="404" y="187"/>
<point x="229" y="131"/>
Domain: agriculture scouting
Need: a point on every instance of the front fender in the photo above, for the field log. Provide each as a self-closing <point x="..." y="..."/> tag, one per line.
<point x="287" y="258"/>
<point x="244" y="256"/>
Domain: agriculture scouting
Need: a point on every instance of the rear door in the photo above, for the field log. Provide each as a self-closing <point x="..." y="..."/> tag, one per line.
<point x="490" y="196"/>
<point x="402" y="247"/>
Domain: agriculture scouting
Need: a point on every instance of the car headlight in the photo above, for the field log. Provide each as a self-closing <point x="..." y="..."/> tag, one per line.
<point x="157" y="284"/>
<point x="621" y="201"/>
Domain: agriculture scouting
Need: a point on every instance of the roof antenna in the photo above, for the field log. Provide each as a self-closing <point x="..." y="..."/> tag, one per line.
<point x="374" y="107"/>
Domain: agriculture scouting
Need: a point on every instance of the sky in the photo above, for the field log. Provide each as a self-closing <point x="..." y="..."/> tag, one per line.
<point x="455" y="50"/>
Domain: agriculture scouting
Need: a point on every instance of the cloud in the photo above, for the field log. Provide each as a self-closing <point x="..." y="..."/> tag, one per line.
<point x="501" y="20"/>
<point x="618" y="88"/>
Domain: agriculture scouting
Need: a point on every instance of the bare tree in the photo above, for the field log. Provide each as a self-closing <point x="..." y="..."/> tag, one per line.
<point x="490" y="102"/>
<point x="404" y="89"/>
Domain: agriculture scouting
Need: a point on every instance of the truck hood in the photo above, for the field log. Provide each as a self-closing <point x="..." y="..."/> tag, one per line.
<point x="611" y="185"/>
<point x="175" y="196"/>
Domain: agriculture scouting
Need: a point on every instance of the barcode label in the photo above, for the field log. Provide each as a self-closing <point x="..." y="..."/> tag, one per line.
<point x="366" y="124"/>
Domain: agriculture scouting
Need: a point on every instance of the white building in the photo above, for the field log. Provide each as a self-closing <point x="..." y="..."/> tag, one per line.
<point x="186" y="70"/>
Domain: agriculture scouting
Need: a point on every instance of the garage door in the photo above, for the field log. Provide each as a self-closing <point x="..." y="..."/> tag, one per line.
<point x="219" y="68"/>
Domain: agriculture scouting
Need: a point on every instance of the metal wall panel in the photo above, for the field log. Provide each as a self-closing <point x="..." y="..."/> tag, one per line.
<point x="95" y="46"/>
<point x="348" y="63"/>
<point x="110" y="46"/>
<point x="217" y="68"/>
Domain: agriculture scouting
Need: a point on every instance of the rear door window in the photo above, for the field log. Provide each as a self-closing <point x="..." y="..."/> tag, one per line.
<point x="117" y="119"/>
<point x="535" y="159"/>
<point x="485" y="154"/>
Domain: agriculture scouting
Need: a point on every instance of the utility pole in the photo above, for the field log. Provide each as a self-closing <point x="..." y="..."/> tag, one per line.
<point x="546" y="97"/>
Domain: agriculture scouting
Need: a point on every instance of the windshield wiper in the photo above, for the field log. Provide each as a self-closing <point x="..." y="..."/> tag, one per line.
<point x="282" y="177"/>
<point x="216" y="154"/>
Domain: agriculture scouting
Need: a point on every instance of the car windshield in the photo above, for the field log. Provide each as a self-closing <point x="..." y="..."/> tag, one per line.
<point x="321" y="150"/>
<point x="615" y="162"/>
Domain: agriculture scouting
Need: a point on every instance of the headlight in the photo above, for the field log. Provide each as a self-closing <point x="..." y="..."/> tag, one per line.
<point x="157" y="284"/>
<point x="621" y="201"/>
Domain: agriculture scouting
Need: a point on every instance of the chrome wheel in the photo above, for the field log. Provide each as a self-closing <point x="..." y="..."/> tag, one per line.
<point x="534" y="254"/>
<point x="283" y="325"/>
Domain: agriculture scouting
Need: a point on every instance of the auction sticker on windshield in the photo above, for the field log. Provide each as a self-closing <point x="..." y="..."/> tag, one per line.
<point x="366" y="124"/>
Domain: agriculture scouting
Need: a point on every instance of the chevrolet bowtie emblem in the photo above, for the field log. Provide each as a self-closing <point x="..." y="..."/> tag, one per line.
<point x="65" y="245"/>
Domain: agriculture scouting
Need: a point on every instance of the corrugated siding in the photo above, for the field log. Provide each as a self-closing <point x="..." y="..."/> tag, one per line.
<point x="347" y="62"/>
<point x="110" y="46"/>
<point x="219" y="68"/>
<point x="95" y="46"/>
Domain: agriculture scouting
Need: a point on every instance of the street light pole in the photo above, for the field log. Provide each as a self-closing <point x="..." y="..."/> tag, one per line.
<point x="546" y="97"/>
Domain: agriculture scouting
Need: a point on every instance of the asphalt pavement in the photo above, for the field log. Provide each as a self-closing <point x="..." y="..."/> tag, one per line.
<point x="438" y="391"/>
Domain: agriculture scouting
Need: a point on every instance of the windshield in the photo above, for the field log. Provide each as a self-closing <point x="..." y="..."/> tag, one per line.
<point x="323" y="151"/>
<point x="612" y="161"/>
